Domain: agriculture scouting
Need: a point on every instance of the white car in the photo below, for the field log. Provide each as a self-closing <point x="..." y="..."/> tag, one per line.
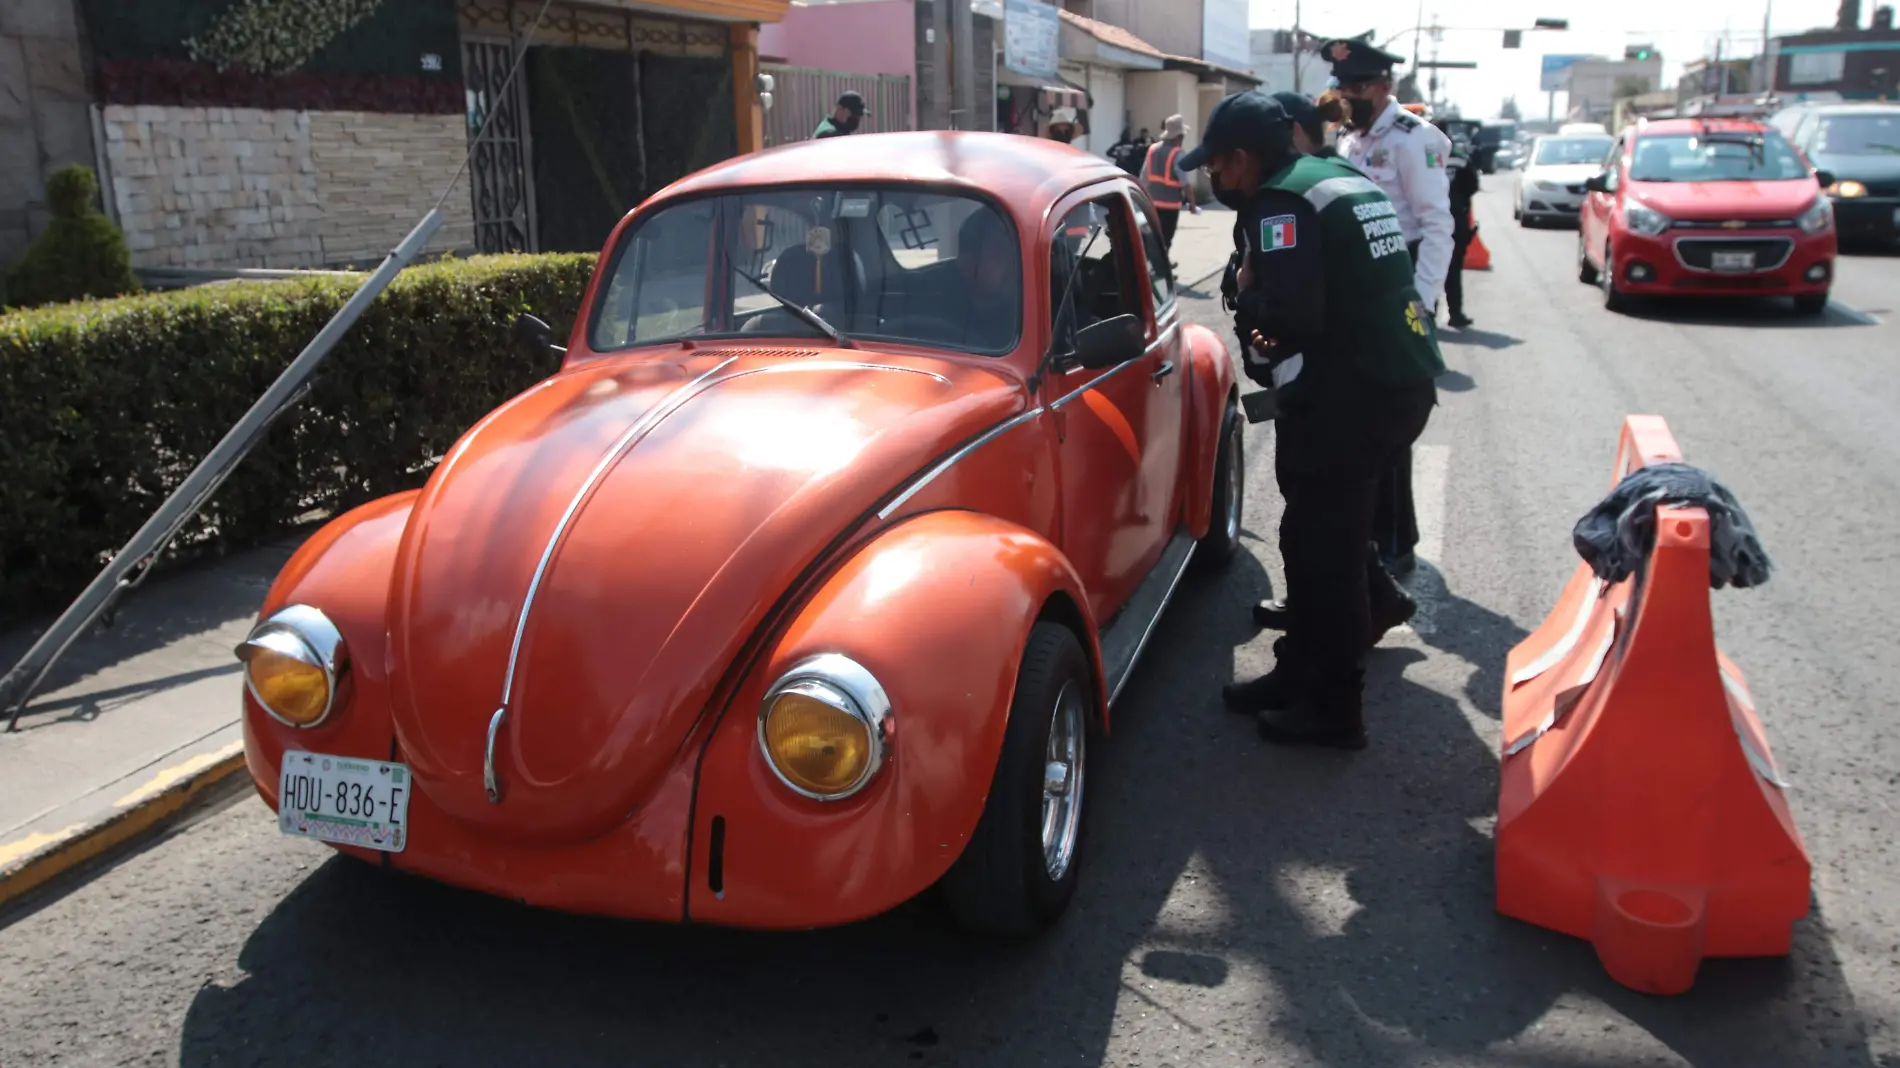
<point x="1550" y="184"/>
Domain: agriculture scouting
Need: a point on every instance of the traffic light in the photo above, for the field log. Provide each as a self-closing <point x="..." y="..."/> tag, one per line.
<point x="1513" y="38"/>
<point x="1551" y="24"/>
<point x="1638" y="52"/>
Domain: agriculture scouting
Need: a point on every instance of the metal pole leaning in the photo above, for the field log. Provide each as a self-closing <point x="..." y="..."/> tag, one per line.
<point x="18" y="685"/>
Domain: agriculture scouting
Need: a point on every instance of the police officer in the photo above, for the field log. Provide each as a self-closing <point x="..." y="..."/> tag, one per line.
<point x="1407" y="157"/>
<point x="1166" y="181"/>
<point x="1325" y="276"/>
<point x="845" y="116"/>
<point x="1464" y="186"/>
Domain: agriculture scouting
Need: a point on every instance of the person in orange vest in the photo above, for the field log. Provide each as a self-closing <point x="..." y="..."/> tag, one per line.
<point x="1167" y="185"/>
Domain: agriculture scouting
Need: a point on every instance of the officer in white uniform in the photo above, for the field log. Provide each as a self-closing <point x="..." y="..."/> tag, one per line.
<point x="1408" y="159"/>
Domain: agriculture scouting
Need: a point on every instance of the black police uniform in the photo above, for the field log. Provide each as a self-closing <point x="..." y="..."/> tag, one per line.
<point x="1350" y="410"/>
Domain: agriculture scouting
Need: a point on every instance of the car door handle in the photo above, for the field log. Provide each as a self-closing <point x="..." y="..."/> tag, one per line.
<point x="1166" y="369"/>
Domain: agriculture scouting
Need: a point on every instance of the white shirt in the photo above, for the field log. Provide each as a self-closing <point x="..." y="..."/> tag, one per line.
<point x="1407" y="158"/>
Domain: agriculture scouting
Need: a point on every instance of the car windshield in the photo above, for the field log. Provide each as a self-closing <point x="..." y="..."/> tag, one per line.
<point x="1558" y="151"/>
<point x="1721" y="156"/>
<point x="880" y="263"/>
<point x="1860" y="135"/>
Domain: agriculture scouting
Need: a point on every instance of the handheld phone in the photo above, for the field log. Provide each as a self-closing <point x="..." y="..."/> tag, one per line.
<point x="1258" y="406"/>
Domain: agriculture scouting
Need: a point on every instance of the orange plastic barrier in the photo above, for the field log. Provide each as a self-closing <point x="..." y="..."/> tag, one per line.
<point x="1639" y="805"/>
<point x="1477" y="257"/>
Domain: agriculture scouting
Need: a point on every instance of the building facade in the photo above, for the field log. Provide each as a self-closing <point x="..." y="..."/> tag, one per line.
<point x="1859" y="64"/>
<point x="314" y="133"/>
<point x="1595" y="85"/>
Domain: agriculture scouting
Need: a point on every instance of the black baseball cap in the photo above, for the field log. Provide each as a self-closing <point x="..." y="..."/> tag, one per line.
<point x="1240" y="120"/>
<point x="1300" y="109"/>
<point x="853" y="102"/>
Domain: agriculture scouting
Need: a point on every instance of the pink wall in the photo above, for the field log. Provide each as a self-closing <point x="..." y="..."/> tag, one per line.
<point x="858" y="37"/>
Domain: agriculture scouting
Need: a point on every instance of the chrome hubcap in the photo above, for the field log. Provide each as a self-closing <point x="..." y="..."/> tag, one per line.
<point x="1236" y="479"/>
<point x="1062" y="773"/>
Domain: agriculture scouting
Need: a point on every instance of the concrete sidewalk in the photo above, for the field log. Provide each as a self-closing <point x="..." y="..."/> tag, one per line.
<point x="1201" y="247"/>
<point x="132" y="723"/>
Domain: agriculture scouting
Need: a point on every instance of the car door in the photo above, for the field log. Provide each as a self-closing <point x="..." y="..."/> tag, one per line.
<point x="1115" y="507"/>
<point x="1598" y="206"/>
<point x="1166" y="375"/>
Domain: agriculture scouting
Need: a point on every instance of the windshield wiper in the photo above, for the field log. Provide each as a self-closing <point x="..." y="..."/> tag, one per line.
<point x="816" y="321"/>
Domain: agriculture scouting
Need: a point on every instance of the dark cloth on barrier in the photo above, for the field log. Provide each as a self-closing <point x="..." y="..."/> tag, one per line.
<point x="1616" y="536"/>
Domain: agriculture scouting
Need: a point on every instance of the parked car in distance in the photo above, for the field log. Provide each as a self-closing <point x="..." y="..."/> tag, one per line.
<point x="1690" y="206"/>
<point x="1550" y="184"/>
<point x="1490" y="136"/>
<point x="807" y="583"/>
<point x="1573" y="128"/>
<point x="1859" y="144"/>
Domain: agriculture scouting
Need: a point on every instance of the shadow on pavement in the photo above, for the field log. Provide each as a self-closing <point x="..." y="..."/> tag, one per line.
<point x="1319" y="907"/>
<point x="1484" y="339"/>
<point x="1757" y="312"/>
<point x="1456" y="382"/>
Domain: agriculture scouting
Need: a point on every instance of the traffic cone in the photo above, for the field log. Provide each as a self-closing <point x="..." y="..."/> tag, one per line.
<point x="1477" y="257"/>
<point x="1639" y="804"/>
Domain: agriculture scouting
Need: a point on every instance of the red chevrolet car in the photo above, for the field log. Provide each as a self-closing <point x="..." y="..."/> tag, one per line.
<point x="1712" y="207"/>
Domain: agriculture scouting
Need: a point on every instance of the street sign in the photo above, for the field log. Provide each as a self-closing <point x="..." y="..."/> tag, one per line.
<point x="1552" y="78"/>
<point x="1030" y="32"/>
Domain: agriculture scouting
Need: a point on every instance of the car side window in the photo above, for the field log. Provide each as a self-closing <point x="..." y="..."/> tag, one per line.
<point x="1094" y="245"/>
<point x="1612" y="163"/>
<point x="1160" y="269"/>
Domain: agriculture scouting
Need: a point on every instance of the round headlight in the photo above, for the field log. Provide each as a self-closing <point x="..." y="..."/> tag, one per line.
<point x="293" y="665"/>
<point x="824" y="727"/>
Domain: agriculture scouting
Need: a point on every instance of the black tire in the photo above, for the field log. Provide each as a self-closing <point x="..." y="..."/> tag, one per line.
<point x="1614" y="299"/>
<point x="1810" y="303"/>
<point x="1221" y="543"/>
<point x="1001" y="885"/>
<point x="1585" y="273"/>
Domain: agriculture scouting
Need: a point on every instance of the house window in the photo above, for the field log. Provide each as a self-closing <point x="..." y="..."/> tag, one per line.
<point x="1816" y="68"/>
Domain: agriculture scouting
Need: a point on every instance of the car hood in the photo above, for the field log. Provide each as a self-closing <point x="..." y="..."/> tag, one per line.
<point x="1884" y="170"/>
<point x="1727" y="200"/>
<point x="1565" y="173"/>
<point x="648" y="512"/>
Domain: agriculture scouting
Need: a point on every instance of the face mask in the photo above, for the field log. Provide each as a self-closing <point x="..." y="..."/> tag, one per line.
<point x="1361" y="111"/>
<point x="1233" y="198"/>
<point x="851" y="123"/>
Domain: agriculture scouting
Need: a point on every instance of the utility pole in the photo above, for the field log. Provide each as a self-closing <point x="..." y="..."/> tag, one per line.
<point x="1768" y="61"/>
<point x="1299" y="49"/>
<point x="963" y="85"/>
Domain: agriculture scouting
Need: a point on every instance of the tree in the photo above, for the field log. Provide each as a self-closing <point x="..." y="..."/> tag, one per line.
<point x="81" y="254"/>
<point x="1509" y="112"/>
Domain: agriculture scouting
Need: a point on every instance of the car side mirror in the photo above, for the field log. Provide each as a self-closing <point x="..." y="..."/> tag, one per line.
<point x="1109" y="342"/>
<point x="536" y="338"/>
<point x="1826" y="178"/>
<point x="1597" y="183"/>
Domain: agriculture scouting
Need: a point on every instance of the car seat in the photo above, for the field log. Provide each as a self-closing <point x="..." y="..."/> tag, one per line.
<point x="823" y="284"/>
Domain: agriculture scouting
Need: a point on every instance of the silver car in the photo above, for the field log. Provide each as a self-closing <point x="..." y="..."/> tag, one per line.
<point x="1550" y="183"/>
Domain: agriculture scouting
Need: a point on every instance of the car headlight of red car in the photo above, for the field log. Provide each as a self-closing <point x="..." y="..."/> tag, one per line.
<point x="295" y="665"/>
<point x="1645" y="220"/>
<point x="824" y="727"/>
<point x="1818" y="217"/>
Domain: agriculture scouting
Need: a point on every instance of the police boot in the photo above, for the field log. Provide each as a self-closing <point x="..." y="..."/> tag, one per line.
<point x="1282" y="686"/>
<point x="1331" y="715"/>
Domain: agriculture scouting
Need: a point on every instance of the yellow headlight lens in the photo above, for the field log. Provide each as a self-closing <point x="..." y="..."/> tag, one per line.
<point x="1849" y="189"/>
<point x="294" y="690"/>
<point x="816" y="745"/>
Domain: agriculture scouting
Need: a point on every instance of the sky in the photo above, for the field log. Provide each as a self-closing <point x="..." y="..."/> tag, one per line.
<point x="1682" y="30"/>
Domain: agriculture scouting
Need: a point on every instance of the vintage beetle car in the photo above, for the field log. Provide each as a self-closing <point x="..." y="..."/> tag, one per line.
<point x="777" y="613"/>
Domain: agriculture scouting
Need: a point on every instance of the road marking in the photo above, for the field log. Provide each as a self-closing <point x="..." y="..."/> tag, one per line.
<point x="1431" y="471"/>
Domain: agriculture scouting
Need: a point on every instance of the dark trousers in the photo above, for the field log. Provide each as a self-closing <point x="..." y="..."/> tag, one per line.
<point x="1328" y="463"/>
<point x="1394" y="517"/>
<point x="1455" y="279"/>
<point x="1170" y="218"/>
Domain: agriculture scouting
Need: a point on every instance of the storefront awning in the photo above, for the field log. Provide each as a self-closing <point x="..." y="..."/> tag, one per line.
<point x="1049" y="95"/>
<point x="1084" y="40"/>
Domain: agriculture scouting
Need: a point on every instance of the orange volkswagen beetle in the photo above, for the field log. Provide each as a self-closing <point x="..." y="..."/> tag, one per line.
<point x="809" y="581"/>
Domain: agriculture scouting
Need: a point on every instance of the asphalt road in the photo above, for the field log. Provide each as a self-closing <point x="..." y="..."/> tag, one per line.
<point x="1243" y="905"/>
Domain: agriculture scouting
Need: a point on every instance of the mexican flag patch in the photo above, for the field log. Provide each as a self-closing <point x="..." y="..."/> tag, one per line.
<point x="1278" y="233"/>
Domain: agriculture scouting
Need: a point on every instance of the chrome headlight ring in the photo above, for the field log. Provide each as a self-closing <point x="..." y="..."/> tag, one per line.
<point x="301" y="633"/>
<point x="844" y="684"/>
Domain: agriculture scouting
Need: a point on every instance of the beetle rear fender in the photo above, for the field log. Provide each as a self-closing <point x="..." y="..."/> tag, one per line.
<point x="343" y="570"/>
<point x="938" y="609"/>
<point x="1211" y="388"/>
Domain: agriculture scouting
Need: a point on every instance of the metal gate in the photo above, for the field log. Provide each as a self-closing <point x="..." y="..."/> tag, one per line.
<point x="500" y="179"/>
<point x="803" y="96"/>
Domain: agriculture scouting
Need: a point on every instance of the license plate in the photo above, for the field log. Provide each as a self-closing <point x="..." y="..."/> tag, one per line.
<point x="1735" y="261"/>
<point x="345" y="800"/>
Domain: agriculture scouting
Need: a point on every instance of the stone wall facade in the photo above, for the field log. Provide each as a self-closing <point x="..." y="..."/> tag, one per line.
<point x="45" y="120"/>
<point x="242" y="187"/>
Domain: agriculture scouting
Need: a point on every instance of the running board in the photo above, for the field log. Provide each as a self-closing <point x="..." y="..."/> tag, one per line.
<point x="1125" y="638"/>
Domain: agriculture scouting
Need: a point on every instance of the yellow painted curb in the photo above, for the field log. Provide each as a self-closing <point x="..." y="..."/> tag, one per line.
<point x="29" y="862"/>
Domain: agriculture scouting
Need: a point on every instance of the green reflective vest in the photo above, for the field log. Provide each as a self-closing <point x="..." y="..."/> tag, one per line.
<point x="1376" y="325"/>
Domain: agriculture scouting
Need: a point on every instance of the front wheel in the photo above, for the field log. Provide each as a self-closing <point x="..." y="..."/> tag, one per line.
<point x="1810" y="303"/>
<point x="1614" y="299"/>
<point x="1586" y="273"/>
<point x="1221" y="543"/>
<point x="1020" y="867"/>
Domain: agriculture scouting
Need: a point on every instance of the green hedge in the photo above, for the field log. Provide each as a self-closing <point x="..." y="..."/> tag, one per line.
<point x="108" y="405"/>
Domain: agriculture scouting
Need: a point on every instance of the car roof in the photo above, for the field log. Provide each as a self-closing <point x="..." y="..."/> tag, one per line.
<point x="1027" y="173"/>
<point x="1870" y="107"/>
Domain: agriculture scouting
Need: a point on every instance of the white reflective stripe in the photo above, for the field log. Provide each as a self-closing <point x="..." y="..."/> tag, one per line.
<point x="1288" y="369"/>
<point x="1559" y="705"/>
<point x="1757" y="759"/>
<point x="1324" y="193"/>
<point x="1564" y="644"/>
